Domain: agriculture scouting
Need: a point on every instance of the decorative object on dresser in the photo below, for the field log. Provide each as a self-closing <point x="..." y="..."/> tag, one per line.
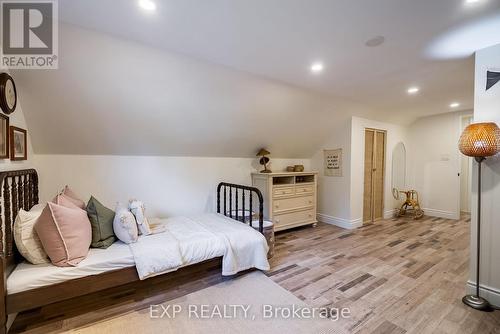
<point x="333" y="162"/>
<point x="18" y="144"/>
<point x="298" y="168"/>
<point x="4" y="137"/>
<point x="8" y="94"/>
<point x="479" y="141"/>
<point x="289" y="198"/>
<point x="264" y="160"/>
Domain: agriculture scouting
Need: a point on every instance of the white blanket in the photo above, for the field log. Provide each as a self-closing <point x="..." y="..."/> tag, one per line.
<point x="190" y="240"/>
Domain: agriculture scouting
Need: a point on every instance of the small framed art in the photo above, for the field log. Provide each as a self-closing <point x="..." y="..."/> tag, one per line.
<point x="4" y="137"/>
<point x="18" y="144"/>
<point x="333" y="162"/>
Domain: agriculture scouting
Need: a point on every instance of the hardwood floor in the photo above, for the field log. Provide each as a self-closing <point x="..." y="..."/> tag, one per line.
<point x="396" y="276"/>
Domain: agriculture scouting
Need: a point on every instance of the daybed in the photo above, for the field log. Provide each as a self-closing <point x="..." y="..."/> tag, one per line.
<point x="25" y="286"/>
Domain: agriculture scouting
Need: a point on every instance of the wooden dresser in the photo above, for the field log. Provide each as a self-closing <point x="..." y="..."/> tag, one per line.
<point x="289" y="198"/>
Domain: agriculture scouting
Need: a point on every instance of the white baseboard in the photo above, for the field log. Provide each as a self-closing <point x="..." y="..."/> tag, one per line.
<point x="491" y="294"/>
<point x="340" y="222"/>
<point x="440" y="213"/>
<point x="388" y="214"/>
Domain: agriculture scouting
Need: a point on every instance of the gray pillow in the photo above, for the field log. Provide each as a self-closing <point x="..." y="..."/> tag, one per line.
<point x="101" y="220"/>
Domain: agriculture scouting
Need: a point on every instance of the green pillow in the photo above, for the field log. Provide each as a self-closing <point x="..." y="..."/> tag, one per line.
<point x="101" y="219"/>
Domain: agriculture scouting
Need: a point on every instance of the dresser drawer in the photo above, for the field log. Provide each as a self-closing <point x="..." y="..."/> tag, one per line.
<point x="283" y="191"/>
<point x="309" y="189"/>
<point x="284" y="219"/>
<point x="294" y="203"/>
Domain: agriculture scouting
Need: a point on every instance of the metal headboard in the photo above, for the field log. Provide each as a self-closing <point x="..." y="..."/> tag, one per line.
<point x="233" y="195"/>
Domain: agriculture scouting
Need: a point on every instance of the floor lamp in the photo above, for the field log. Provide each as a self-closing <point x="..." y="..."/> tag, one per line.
<point x="479" y="141"/>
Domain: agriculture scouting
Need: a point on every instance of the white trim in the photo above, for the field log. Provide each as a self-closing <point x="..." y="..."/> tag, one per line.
<point x="491" y="294"/>
<point x="340" y="222"/>
<point x="440" y="213"/>
<point x="388" y="214"/>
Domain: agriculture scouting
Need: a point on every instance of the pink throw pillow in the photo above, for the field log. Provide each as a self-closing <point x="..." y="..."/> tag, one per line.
<point x="65" y="234"/>
<point x="66" y="201"/>
<point x="73" y="197"/>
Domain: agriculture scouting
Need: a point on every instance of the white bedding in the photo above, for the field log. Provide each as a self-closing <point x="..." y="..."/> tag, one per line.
<point x="198" y="238"/>
<point x="27" y="276"/>
<point x="190" y="240"/>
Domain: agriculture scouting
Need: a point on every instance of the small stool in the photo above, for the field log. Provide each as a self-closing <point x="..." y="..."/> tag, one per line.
<point x="268" y="234"/>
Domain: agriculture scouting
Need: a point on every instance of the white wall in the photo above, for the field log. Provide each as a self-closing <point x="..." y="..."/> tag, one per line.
<point x="112" y="96"/>
<point x="334" y="192"/>
<point x="340" y="199"/>
<point x="395" y="134"/>
<point x="17" y="119"/>
<point x="167" y="185"/>
<point x="434" y="163"/>
<point x="487" y="109"/>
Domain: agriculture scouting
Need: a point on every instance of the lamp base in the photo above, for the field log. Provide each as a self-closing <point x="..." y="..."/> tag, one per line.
<point x="476" y="302"/>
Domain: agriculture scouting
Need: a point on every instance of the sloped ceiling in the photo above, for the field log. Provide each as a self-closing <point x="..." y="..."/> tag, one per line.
<point x="224" y="77"/>
<point x="112" y="96"/>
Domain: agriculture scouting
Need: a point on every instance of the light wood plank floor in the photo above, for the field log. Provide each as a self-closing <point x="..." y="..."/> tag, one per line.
<point x="396" y="276"/>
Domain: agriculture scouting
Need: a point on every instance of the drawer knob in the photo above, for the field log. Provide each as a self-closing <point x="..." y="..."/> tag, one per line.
<point x="310" y="201"/>
<point x="310" y="215"/>
<point x="277" y="206"/>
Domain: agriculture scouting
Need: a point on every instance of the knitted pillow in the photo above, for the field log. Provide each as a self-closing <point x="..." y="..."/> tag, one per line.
<point x="27" y="241"/>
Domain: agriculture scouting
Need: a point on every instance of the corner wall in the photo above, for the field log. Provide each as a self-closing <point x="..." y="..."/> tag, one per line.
<point x="395" y="135"/>
<point x="487" y="109"/>
<point x="434" y="163"/>
<point x="17" y="119"/>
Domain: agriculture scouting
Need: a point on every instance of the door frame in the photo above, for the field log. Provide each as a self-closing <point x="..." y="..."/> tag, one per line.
<point x="461" y="120"/>
<point x="375" y="130"/>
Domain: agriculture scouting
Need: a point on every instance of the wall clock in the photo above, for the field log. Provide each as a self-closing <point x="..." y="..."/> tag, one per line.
<point x="8" y="94"/>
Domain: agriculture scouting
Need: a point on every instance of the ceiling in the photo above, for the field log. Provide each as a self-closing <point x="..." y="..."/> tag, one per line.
<point x="225" y="77"/>
<point x="279" y="39"/>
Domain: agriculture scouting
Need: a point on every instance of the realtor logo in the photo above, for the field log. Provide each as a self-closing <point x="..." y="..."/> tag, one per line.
<point x="29" y="34"/>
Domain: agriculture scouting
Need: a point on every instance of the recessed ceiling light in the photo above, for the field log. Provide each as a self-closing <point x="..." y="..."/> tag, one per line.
<point x="472" y="1"/>
<point x="147" y="5"/>
<point x="317" y="67"/>
<point x="413" y="90"/>
<point x="454" y="105"/>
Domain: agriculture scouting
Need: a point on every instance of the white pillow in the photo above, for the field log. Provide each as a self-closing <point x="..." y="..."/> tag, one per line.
<point x="139" y="211"/>
<point x="124" y="225"/>
<point x="27" y="241"/>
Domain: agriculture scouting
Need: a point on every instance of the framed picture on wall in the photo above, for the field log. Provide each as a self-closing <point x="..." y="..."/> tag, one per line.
<point x="4" y="137"/>
<point x="333" y="162"/>
<point x="18" y="144"/>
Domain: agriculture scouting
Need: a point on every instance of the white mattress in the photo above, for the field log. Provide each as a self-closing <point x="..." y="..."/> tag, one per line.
<point x="199" y="239"/>
<point x="27" y="276"/>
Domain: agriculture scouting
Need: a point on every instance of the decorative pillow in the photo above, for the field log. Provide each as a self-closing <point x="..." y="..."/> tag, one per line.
<point x="65" y="234"/>
<point x="72" y="196"/>
<point x="27" y="241"/>
<point x="101" y="219"/>
<point x="139" y="211"/>
<point x="124" y="225"/>
<point x="66" y="201"/>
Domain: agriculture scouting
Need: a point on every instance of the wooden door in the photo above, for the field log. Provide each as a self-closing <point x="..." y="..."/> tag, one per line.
<point x="374" y="173"/>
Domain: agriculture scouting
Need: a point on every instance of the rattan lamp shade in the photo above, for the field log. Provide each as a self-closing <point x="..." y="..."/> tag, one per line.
<point x="480" y="140"/>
